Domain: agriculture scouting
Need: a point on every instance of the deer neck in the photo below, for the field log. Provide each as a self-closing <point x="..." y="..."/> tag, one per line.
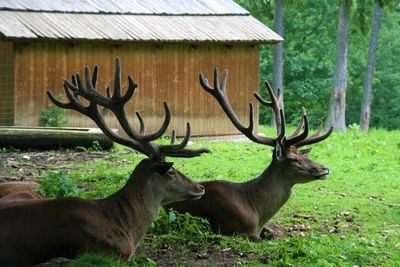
<point x="269" y="192"/>
<point x="135" y="207"/>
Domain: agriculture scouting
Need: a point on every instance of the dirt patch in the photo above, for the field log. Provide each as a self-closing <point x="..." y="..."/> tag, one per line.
<point x="172" y="255"/>
<point x="274" y="231"/>
<point x="17" y="166"/>
<point x="208" y="253"/>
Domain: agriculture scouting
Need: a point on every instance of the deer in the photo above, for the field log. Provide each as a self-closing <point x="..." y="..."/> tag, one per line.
<point x="34" y="231"/>
<point x="9" y="188"/>
<point x="17" y="191"/>
<point x="20" y="196"/>
<point x="244" y="208"/>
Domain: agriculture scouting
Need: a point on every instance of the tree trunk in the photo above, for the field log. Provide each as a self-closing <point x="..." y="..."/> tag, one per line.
<point x="277" y="68"/>
<point x="366" y="104"/>
<point x="337" y="104"/>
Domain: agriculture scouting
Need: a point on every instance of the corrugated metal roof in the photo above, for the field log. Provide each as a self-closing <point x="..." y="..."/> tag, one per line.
<point x="135" y="20"/>
<point x="150" y="7"/>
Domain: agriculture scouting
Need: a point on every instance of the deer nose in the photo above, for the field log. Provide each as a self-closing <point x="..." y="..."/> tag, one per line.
<point x="200" y="187"/>
<point x="326" y="170"/>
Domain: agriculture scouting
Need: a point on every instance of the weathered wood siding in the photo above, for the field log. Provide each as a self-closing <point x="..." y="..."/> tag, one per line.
<point x="167" y="72"/>
<point x="6" y="84"/>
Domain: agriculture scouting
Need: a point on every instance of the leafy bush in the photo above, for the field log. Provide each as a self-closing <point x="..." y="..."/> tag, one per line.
<point x="96" y="147"/>
<point x="58" y="185"/>
<point x="54" y="117"/>
<point x="186" y="224"/>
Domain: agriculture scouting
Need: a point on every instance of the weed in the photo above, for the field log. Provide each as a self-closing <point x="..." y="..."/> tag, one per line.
<point x="58" y="185"/>
<point x="184" y="224"/>
<point x="96" y="147"/>
<point x="54" y="116"/>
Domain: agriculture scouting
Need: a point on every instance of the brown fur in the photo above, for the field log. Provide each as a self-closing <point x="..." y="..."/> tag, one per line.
<point x="244" y="208"/>
<point x="9" y="188"/>
<point x="19" y="196"/>
<point x="34" y="231"/>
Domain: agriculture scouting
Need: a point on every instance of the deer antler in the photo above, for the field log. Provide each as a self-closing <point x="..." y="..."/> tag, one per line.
<point x="139" y="141"/>
<point x="296" y="139"/>
<point x="220" y="95"/>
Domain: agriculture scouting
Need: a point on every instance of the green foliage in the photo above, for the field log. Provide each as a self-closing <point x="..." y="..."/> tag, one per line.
<point x="9" y="149"/>
<point x="57" y="185"/>
<point x="309" y="56"/>
<point x="54" y="116"/>
<point x="183" y="224"/>
<point x="96" y="146"/>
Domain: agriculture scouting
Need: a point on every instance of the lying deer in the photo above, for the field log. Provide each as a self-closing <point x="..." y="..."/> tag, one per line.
<point x="19" y="196"/>
<point x="9" y="188"/>
<point x="34" y="231"/>
<point x="244" y="208"/>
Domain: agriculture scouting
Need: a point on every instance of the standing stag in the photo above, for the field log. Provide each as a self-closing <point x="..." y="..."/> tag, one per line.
<point x="244" y="208"/>
<point x="33" y="231"/>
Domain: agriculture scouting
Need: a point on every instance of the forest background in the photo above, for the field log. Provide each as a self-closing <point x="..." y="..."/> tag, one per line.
<point x="310" y="29"/>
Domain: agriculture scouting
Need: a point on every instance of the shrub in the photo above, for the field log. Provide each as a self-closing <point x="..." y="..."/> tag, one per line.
<point x="58" y="185"/>
<point x="54" y="117"/>
<point x="186" y="224"/>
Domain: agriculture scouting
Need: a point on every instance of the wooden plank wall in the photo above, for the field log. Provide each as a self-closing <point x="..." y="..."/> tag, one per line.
<point x="6" y="84"/>
<point x="167" y="72"/>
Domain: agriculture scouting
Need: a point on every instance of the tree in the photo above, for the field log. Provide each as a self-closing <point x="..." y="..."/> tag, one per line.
<point x="277" y="67"/>
<point x="337" y="104"/>
<point x="366" y="104"/>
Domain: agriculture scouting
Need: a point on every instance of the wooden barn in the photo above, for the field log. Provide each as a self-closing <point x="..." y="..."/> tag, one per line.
<point x="164" y="44"/>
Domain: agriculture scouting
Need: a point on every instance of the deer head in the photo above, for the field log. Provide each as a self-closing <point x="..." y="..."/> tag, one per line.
<point x="155" y="170"/>
<point x="293" y="164"/>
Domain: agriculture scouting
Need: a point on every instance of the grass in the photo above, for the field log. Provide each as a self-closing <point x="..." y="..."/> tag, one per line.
<point x="355" y="212"/>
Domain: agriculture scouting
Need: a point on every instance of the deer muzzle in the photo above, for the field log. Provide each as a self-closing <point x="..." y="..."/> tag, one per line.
<point x="323" y="173"/>
<point x="197" y="192"/>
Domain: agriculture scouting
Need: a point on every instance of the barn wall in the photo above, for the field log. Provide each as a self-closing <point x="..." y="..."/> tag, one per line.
<point x="6" y="84"/>
<point x="168" y="72"/>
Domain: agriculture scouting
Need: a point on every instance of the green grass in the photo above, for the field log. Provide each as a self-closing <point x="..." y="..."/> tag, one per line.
<point x="356" y="210"/>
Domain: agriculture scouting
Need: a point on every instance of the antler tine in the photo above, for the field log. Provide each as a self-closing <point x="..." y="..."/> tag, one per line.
<point x="141" y="122"/>
<point x="314" y="139"/>
<point x="274" y="104"/>
<point x="282" y="131"/>
<point x="65" y="105"/>
<point x="153" y="136"/>
<point x="319" y="129"/>
<point x="216" y="83"/>
<point x="219" y="94"/>
<point x="106" y="110"/>
<point x="179" y="150"/>
<point x="173" y="137"/>
<point x="300" y="137"/>
<point x="117" y="78"/>
<point x="165" y="149"/>
<point x="300" y="125"/>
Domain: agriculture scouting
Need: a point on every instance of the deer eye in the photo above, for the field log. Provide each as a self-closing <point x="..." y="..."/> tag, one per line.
<point x="171" y="174"/>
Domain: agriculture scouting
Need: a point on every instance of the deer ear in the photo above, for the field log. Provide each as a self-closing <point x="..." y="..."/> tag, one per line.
<point x="161" y="167"/>
<point x="304" y="152"/>
<point x="278" y="151"/>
